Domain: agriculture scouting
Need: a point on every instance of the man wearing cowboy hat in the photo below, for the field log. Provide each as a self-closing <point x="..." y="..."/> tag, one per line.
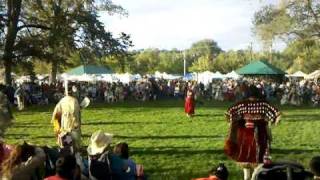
<point x="102" y="163"/>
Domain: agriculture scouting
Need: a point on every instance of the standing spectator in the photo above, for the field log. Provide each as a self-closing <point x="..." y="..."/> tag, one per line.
<point x="20" y="95"/>
<point x="5" y="113"/>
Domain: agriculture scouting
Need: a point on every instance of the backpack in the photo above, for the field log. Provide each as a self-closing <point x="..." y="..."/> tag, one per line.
<point x="282" y="171"/>
<point x="100" y="167"/>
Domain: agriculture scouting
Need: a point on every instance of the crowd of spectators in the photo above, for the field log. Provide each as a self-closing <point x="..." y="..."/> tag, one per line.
<point x="25" y="162"/>
<point x="103" y="162"/>
<point x="289" y="92"/>
<point x="19" y="162"/>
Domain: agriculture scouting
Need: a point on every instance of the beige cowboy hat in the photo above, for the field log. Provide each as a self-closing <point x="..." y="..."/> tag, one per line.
<point x="98" y="142"/>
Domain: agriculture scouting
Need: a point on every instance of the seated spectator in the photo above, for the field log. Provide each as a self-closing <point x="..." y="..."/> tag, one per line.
<point x="218" y="173"/>
<point x="315" y="167"/>
<point x="66" y="169"/>
<point x="136" y="171"/>
<point x="103" y="164"/>
<point x="4" y="152"/>
<point x="23" y="162"/>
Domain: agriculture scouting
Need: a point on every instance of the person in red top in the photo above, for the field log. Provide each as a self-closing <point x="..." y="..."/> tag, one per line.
<point x="218" y="173"/>
<point x="189" y="104"/>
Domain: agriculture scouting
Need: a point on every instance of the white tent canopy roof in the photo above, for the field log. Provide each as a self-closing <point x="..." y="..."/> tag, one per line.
<point x="298" y="74"/>
<point x="314" y="75"/>
<point x="232" y="75"/>
<point x="165" y="75"/>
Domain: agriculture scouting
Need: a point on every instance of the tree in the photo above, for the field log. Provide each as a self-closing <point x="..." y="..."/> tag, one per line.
<point x="295" y="19"/>
<point x="171" y="62"/>
<point x="202" y="64"/>
<point x="201" y="55"/>
<point x="302" y="55"/>
<point x="82" y="31"/>
<point x="53" y="29"/>
<point x="147" y="61"/>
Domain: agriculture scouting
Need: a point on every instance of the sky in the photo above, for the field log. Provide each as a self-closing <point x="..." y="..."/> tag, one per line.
<point x="168" y="24"/>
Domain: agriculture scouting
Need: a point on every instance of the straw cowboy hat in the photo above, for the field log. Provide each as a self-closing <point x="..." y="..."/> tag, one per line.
<point x="98" y="142"/>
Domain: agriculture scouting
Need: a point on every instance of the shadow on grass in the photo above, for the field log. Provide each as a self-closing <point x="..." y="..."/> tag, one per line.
<point x="301" y="117"/>
<point x="23" y="135"/>
<point x="293" y="151"/>
<point x="174" y="151"/>
<point x="31" y="125"/>
<point x="10" y="135"/>
<point x="169" y="137"/>
<point x="204" y="115"/>
<point x="119" y="122"/>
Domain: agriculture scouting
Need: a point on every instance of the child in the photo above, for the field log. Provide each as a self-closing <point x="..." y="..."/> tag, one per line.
<point x="218" y="173"/>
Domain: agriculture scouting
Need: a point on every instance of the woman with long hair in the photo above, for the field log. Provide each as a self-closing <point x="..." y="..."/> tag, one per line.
<point x="22" y="162"/>
<point x="4" y="152"/>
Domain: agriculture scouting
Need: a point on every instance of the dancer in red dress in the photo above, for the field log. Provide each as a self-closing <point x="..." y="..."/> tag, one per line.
<point x="250" y="137"/>
<point x="189" y="104"/>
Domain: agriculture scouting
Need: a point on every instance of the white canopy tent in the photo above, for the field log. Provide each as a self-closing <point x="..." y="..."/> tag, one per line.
<point x="107" y="78"/>
<point x="218" y="75"/>
<point x="206" y="77"/>
<point x="314" y="75"/>
<point x="298" y="74"/>
<point x="23" y="79"/>
<point x="190" y="77"/>
<point x="124" y="78"/>
<point x="166" y="76"/>
<point x="232" y="75"/>
<point x="137" y="77"/>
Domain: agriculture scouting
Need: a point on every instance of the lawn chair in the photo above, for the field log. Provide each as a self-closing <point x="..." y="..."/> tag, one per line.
<point x="282" y="171"/>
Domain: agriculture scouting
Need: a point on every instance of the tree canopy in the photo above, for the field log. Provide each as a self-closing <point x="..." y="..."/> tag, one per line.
<point x="52" y="30"/>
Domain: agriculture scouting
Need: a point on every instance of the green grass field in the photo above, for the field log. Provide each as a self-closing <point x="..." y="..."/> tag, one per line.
<point x="167" y="143"/>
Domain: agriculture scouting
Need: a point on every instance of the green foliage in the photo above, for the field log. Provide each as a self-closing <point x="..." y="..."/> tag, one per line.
<point x="303" y="55"/>
<point x="199" y="57"/>
<point x="294" y="19"/>
<point x="203" y="63"/>
<point x="120" y="64"/>
<point x="166" y="142"/>
<point x="232" y="60"/>
<point x="171" y="62"/>
<point x="146" y="61"/>
<point x="271" y="22"/>
<point x="202" y="54"/>
<point x="53" y="30"/>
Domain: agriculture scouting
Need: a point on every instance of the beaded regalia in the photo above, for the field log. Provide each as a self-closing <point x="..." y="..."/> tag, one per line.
<point x="249" y="136"/>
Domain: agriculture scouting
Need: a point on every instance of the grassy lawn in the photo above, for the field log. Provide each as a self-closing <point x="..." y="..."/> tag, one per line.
<point x="167" y="143"/>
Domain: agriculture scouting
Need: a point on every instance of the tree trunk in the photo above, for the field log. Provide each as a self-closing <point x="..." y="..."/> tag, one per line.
<point x="7" y="71"/>
<point x="13" y="11"/>
<point x="54" y="70"/>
